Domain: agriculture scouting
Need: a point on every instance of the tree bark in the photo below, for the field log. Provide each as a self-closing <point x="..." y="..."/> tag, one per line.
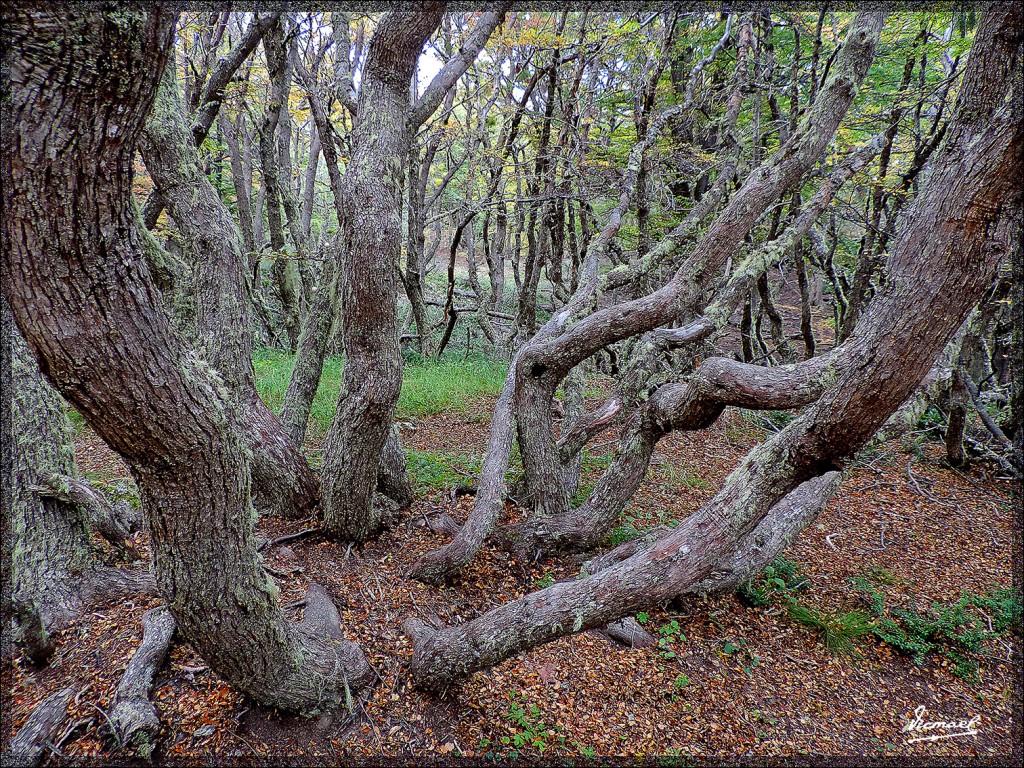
<point x="282" y="481"/>
<point x="133" y="718"/>
<point x="54" y="572"/>
<point x="285" y="272"/>
<point x="371" y="235"/>
<point x="31" y="743"/>
<point x="70" y="244"/>
<point x="943" y="259"/>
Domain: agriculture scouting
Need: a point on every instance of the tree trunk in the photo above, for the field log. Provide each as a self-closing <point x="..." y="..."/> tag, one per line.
<point x="955" y="234"/>
<point x="109" y="349"/>
<point x="543" y="365"/>
<point x="54" y="573"/>
<point x="284" y="270"/>
<point x="371" y="233"/>
<point x="282" y="481"/>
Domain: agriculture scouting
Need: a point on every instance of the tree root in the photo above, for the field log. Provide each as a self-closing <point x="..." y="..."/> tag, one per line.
<point x="133" y="718"/>
<point x="39" y="644"/>
<point x="29" y="746"/>
<point x="629" y="632"/>
<point x="114" y="523"/>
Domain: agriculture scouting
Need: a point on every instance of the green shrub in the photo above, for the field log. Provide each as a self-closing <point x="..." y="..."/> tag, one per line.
<point x="955" y="630"/>
<point x="780" y="578"/>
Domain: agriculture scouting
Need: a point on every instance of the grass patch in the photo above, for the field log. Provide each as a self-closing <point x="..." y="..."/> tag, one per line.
<point x="838" y="631"/>
<point x="428" y="387"/>
<point x="441" y="470"/>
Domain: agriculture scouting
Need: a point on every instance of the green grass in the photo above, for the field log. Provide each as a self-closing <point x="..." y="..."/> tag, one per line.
<point x="428" y="387"/>
<point x="441" y="470"/>
<point x="839" y="631"/>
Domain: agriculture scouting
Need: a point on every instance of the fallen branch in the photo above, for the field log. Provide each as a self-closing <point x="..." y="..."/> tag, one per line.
<point x="30" y="744"/>
<point x="133" y="718"/>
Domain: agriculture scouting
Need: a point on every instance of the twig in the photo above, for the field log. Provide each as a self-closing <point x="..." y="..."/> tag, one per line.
<point x="287" y="537"/>
<point x="919" y="490"/>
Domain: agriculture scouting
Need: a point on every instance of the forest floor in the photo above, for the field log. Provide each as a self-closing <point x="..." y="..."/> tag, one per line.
<point x="727" y="679"/>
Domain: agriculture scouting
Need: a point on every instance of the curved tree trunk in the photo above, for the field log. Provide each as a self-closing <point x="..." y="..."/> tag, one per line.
<point x="109" y="349"/>
<point x="946" y="255"/>
<point x="368" y="279"/>
<point x="282" y="481"/>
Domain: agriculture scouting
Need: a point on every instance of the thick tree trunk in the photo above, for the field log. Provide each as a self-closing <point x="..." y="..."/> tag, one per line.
<point x="946" y="255"/>
<point x="70" y="242"/>
<point x="282" y="481"/>
<point x="371" y="234"/>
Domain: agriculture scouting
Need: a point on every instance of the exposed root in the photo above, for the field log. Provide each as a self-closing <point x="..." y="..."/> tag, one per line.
<point x="133" y="718"/>
<point x="629" y="632"/>
<point x="29" y="746"/>
<point x="114" y="523"/>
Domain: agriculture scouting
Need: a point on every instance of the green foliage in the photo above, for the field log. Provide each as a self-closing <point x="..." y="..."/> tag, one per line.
<point x="528" y="732"/>
<point x="838" y="630"/>
<point x="955" y="630"/>
<point x="624" y="532"/>
<point x="739" y="651"/>
<point x="783" y="577"/>
<point x="678" y="685"/>
<point x="669" y="633"/>
<point x="428" y="386"/>
<point x="440" y="470"/>
<point x="544" y="581"/>
<point x="932" y="419"/>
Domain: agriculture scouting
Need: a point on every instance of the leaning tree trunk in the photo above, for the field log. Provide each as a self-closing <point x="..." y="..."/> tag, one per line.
<point x="282" y="481"/>
<point x="544" y="364"/>
<point x="945" y="256"/>
<point x="372" y="231"/>
<point x="70" y="245"/>
<point x="54" y="572"/>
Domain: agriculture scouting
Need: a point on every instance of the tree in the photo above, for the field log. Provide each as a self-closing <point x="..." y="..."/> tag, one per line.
<point x="945" y="255"/>
<point x="109" y="348"/>
<point x="369" y="248"/>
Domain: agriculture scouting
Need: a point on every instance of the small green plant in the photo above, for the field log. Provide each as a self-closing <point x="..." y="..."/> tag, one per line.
<point x="955" y="630"/>
<point x="743" y="654"/>
<point x="642" y="618"/>
<point x="838" y="630"/>
<point x="678" y="685"/>
<point x="544" y="581"/>
<point x="623" y="533"/>
<point x="779" y="419"/>
<point x="782" y="577"/>
<point x="667" y="634"/>
<point x="530" y="731"/>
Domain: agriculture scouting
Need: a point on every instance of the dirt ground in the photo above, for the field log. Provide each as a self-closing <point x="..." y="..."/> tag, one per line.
<point x="938" y="532"/>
